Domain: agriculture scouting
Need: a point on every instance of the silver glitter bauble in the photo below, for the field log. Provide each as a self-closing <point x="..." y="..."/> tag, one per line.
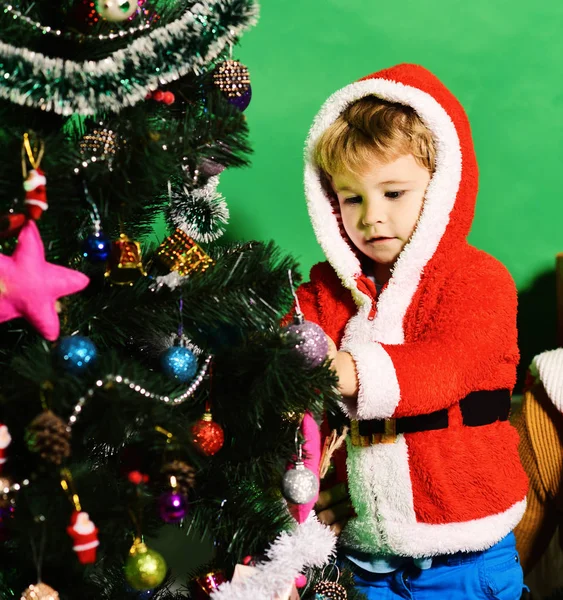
<point x="300" y="485"/>
<point x="312" y="343"/>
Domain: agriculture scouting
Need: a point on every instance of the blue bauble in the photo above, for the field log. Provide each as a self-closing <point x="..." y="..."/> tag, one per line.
<point x="179" y="363"/>
<point x="96" y="247"/>
<point x="76" y="353"/>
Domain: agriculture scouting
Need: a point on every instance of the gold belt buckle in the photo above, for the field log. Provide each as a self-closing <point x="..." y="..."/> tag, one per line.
<point x="389" y="435"/>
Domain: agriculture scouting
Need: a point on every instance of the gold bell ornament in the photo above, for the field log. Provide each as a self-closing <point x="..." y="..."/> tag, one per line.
<point x="125" y="265"/>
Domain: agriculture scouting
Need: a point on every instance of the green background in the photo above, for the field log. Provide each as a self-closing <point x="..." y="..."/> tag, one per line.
<point x="504" y="62"/>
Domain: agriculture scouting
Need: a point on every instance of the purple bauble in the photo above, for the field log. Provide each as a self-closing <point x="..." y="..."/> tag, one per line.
<point x="210" y="167"/>
<point x="6" y="514"/>
<point x="173" y="507"/>
<point x="242" y="102"/>
<point x="312" y="344"/>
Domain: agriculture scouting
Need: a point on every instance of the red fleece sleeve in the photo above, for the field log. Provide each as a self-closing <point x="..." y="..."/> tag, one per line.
<point x="308" y="302"/>
<point x="470" y="344"/>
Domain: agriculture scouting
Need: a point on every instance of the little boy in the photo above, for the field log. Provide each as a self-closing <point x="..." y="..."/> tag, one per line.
<point x="425" y="325"/>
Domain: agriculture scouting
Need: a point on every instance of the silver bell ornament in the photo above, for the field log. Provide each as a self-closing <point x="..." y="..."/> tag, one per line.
<point x="300" y="485"/>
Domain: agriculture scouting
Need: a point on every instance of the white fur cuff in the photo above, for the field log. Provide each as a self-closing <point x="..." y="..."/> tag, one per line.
<point x="378" y="388"/>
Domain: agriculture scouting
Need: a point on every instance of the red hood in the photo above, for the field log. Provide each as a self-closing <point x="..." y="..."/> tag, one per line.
<point x="450" y="198"/>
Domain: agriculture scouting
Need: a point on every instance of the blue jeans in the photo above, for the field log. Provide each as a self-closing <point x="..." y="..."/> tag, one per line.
<point x="493" y="574"/>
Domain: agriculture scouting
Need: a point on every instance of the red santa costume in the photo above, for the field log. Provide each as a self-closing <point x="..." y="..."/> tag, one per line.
<point x="85" y="536"/>
<point x="435" y="353"/>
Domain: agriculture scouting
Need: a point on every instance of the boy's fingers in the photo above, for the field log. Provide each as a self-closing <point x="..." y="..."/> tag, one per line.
<point x="333" y="495"/>
<point x="336" y="513"/>
<point x="332" y="350"/>
<point x="337" y="528"/>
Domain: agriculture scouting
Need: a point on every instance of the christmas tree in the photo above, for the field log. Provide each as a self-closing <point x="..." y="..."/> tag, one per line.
<point x="143" y="386"/>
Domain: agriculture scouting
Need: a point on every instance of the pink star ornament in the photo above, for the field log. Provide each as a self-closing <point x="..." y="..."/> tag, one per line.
<point x="30" y="286"/>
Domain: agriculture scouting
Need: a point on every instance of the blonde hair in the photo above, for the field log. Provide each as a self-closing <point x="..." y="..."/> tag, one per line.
<point x="369" y="129"/>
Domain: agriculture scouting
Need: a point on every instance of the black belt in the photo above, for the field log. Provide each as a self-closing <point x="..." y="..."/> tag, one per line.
<point x="478" y="408"/>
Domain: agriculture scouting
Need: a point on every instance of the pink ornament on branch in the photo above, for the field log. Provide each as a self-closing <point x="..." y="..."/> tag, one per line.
<point x="30" y="286"/>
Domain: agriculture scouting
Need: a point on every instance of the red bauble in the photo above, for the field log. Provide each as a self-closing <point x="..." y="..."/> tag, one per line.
<point x="208" y="436"/>
<point x="168" y="98"/>
<point x="208" y="583"/>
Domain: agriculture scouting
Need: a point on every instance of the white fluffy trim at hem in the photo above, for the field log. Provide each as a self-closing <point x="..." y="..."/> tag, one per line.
<point x="310" y="544"/>
<point x="420" y="540"/>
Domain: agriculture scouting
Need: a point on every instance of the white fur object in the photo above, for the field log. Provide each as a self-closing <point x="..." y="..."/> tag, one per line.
<point x="548" y="366"/>
<point x="310" y="544"/>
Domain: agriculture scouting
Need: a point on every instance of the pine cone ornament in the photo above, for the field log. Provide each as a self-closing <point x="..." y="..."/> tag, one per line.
<point x="49" y="436"/>
<point x="184" y="473"/>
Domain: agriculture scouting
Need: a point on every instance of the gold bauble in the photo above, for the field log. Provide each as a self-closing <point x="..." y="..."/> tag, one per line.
<point x="144" y="568"/>
<point x="39" y="591"/>
<point x="5" y="484"/>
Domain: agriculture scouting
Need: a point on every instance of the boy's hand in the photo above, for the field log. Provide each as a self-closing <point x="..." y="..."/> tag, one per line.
<point x="345" y="367"/>
<point x="332" y="350"/>
<point x="334" y="507"/>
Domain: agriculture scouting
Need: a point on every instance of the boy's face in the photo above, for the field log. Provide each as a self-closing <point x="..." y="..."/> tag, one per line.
<point x="380" y="208"/>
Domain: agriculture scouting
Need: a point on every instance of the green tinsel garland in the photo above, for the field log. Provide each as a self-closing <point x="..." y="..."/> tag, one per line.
<point x="125" y="76"/>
